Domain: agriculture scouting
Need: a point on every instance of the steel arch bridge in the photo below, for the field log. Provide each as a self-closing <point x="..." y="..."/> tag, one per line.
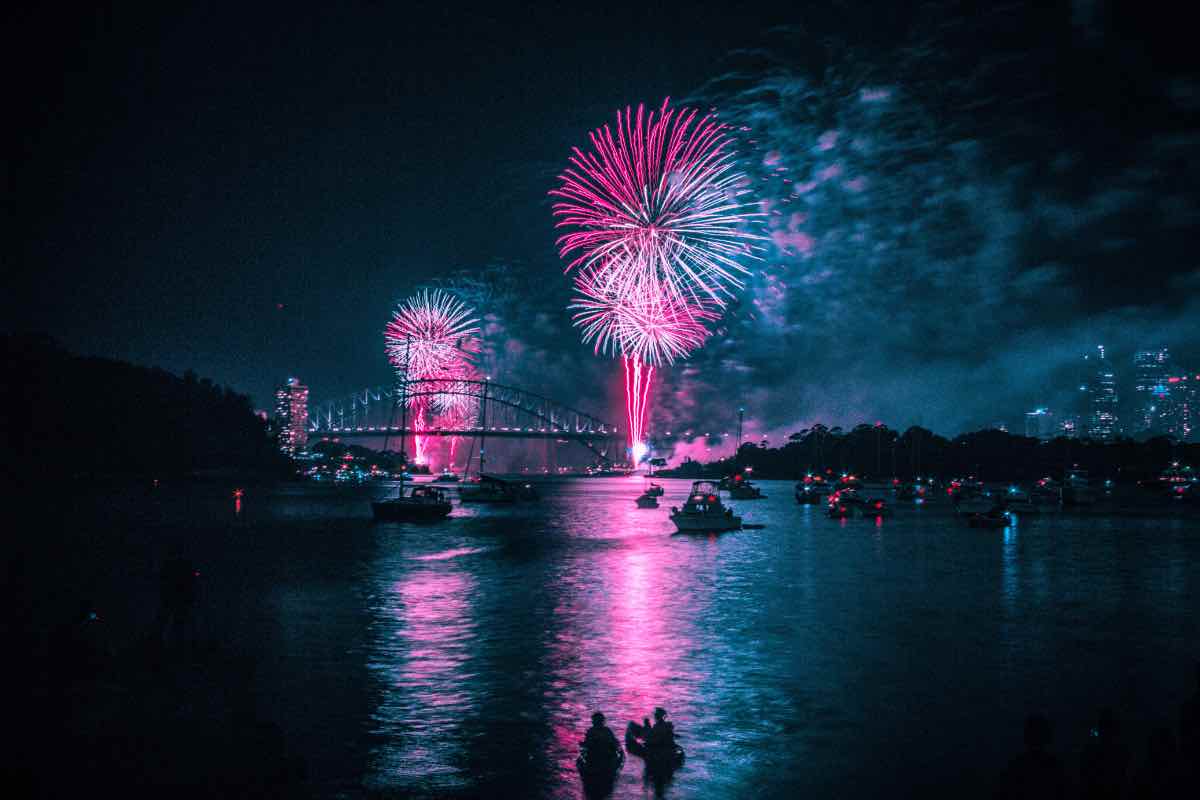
<point x="496" y="410"/>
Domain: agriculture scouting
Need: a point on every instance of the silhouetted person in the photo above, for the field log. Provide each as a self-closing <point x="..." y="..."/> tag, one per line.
<point x="1160" y="776"/>
<point x="1035" y="773"/>
<point x="179" y="589"/>
<point x="662" y="735"/>
<point x="600" y="744"/>
<point x="1104" y="767"/>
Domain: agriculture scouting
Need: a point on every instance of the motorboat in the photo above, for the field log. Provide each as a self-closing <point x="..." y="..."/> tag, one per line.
<point x="446" y="477"/>
<point x="1174" y="481"/>
<point x="647" y="500"/>
<point x="487" y="489"/>
<point x="654" y="490"/>
<point x="996" y="518"/>
<point x="740" y="488"/>
<point x="1043" y="498"/>
<point x="910" y="491"/>
<point x="845" y="503"/>
<point x="704" y="511"/>
<point x="810" y="490"/>
<point x="808" y="494"/>
<point x="421" y="504"/>
<point x="490" y="489"/>
<point x="1046" y="492"/>
<point x="875" y="507"/>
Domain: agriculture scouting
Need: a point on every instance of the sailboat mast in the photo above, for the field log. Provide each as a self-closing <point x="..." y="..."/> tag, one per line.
<point x="404" y="415"/>
<point x="483" y="424"/>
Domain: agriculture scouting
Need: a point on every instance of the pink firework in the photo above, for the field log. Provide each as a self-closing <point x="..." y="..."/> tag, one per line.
<point x="433" y="337"/>
<point x="660" y="205"/>
<point x="659" y="219"/>
<point x="650" y="327"/>
<point x="435" y="332"/>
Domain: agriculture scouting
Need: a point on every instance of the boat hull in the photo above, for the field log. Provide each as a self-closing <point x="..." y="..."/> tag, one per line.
<point x="392" y="511"/>
<point x="699" y="524"/>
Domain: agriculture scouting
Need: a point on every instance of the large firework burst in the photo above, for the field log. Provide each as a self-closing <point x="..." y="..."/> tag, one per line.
<point x="661" y="206"/>
<point x="660" y="220"/>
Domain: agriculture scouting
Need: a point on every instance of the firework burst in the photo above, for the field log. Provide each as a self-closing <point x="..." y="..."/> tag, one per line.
<point x="433" y="337"/>
<point x="659" y="219"/>
<point x="660" y="206"/>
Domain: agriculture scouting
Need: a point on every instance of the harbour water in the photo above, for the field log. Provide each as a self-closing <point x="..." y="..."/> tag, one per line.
<point x="852" y="658"/>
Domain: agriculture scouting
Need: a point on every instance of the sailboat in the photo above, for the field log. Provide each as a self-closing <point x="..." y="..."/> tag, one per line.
<point x="422" y="503"/>
<point x="488" y="488"/>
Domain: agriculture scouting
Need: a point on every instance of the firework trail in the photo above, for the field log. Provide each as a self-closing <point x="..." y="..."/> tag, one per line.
<point x="658" y="219"/>
<point x="433" y="336"/>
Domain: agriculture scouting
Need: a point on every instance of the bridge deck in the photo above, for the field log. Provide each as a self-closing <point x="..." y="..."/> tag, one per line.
<point x="499" y="432"/>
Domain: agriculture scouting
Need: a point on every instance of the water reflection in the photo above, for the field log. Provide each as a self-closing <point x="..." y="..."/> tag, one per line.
<point x="424" y="635"/>
<point x="626" y="636"/>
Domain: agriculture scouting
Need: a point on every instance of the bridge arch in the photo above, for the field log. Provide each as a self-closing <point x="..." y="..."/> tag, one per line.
<point x="508" y="411"/>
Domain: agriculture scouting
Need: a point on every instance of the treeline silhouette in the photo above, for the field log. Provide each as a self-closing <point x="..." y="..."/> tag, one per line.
<point x="879" y="451"/>
<point x="75" y="416"/>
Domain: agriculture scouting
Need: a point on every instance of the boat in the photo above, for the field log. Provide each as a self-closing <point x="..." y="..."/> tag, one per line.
<point x="910" y="491"/>
<point x="996" y="518"/>
<point x="647" y="500"/>
<point x="1077" y="488"/>
<point x="1043" y="498"/>
<point x="810" y="490"/>
<point x="740" y="488"/>
<point x="487" y="489"/>
<point x="446" y="477"/>
<point x="846" y="503"/>
<point x="703" y="511"/>
<point x="808" y="494"/>
<point x="422" y="504"/>
<point x="875" y="507"/>
<point x="1174" y="481"/>
<point x="662" y="759"/>
<point x="654" y="490"/>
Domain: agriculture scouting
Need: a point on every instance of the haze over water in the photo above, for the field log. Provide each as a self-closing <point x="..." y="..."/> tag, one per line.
<point x="832" y="658"/>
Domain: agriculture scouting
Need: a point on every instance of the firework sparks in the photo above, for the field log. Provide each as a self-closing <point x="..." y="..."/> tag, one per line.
<point x="433" y="336"/>
<point x="660" y="219"/>
<point x="660" y="207"/>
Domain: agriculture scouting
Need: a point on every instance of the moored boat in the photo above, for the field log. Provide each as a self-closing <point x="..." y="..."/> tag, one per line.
<point x="740" y="488"/>
<point x="422" y="504"/>
<point x="703" y="511"/>
<point x="487" y="489"/>
<point x="996" y="518"/>
<point x="646" y="500"/>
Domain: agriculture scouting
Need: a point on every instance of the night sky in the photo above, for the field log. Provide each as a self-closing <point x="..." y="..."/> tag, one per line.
<point x="973" y="196"/>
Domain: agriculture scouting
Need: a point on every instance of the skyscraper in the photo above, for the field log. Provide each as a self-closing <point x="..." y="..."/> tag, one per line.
<point x="1152" y="392"/>
<point x="291" y="416"/>
<point x="1101" y="392"/>
<point x="1039" y="424"/>
<point x="1182" y="418"/>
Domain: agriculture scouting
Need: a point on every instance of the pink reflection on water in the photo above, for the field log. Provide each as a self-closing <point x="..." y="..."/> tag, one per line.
<point x="424" y="658"/>
<point x="626" y="637"/>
